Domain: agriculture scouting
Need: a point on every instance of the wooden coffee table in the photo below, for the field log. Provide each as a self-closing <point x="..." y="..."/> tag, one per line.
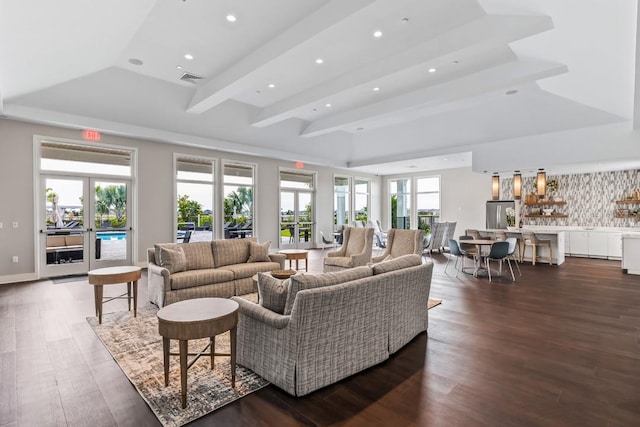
<point x="111" y="276"/>
<point x="194" y="319"/>
<point x="297" y="255"/>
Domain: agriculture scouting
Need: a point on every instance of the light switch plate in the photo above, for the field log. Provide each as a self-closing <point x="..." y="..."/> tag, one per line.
<point x="15" y="224"/>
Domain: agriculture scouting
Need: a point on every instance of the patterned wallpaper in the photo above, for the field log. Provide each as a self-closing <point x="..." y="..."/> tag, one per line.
<point x="590" y="198"/>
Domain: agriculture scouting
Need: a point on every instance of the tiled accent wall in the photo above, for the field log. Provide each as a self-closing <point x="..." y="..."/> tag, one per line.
<point x="590" y="198"/>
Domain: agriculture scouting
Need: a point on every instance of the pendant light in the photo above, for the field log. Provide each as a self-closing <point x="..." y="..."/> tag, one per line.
<point x="517" y="185"/>
<point x="541" y="183"/>
<point x="495" y="186"/>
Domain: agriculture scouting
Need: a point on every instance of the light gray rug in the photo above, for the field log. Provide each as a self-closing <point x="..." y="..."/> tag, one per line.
<point x="136" y="346"/>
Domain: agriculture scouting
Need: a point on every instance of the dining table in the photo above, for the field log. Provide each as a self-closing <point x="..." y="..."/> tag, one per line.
<point x="479" y="243"/>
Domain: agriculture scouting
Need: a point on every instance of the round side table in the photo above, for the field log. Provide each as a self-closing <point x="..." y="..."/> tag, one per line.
<point x="111" y="276"/>
<point x="194" y="319"/>
<point x="297" y="255"/>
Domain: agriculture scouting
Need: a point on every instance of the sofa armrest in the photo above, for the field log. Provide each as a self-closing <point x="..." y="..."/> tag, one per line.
<point x="339" y="253"/>
<point x="158" y="282"/>
<point x="279" y="258"/>
<point x="262" y="314"/>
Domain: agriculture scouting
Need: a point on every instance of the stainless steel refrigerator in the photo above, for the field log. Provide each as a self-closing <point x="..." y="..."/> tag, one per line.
<point x="497" y="213"/>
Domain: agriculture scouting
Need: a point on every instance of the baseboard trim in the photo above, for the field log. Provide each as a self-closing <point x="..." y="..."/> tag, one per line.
<point x="16" y="278"/>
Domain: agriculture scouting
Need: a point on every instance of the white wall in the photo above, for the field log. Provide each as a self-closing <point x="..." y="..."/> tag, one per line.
<point x="155" y="203"/>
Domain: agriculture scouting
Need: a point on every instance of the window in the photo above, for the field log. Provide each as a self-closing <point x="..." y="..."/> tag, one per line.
<point x="361" y="203"/>
<point x="341" y="185"/>
<point x="425" y="196"/>
<point x="427" y="201"/>
<point x="400" y="191"/>
<point x="239" y="196"/>
<point x="195" y="195"/>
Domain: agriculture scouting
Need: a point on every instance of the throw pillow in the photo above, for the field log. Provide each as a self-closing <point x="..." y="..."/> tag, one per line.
<point x="272" y="293"/>
<point x="404" y="261"/>
<point x="259" y="252"/>
<point x="173" y="260"/>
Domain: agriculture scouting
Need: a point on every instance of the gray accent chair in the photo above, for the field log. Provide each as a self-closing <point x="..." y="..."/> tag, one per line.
<point x="355" y="251"/>
<point x="438" y="234"/>
<point x="401" y="242"/>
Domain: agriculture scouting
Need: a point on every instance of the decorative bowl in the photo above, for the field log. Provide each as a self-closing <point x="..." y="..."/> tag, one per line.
<point x="547" y="211"/>
<point x="283" y="274"/>
<point x="510" y="228"/>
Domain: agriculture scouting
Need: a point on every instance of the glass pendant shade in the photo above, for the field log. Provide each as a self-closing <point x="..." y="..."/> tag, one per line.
<point x="541" y="183"/>
<point x="495" y="187"/>
<point x="517" y="186"/>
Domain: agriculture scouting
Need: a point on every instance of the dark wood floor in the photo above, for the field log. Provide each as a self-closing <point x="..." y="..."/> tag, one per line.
<point x="560" y="347"/>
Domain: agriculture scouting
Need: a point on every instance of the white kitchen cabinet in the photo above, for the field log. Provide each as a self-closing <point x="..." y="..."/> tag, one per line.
<point x="614" y="245"/>
<point x="631" y="253"/>
<point x="598" y="244"/>
<point x="579" y="243"/>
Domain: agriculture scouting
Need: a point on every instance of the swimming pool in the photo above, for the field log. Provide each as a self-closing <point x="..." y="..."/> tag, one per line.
<point x="113" y="235"/>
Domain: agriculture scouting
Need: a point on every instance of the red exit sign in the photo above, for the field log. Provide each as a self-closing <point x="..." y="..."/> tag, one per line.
<point x="91" y="135"/>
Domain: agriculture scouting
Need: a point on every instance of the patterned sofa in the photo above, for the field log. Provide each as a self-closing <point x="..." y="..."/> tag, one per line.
<point x="220" y="268"/>
<point x="333" y="325"/>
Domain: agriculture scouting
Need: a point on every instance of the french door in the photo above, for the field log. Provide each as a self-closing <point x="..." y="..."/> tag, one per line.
<point x="84" y="224"/>
<point x="296" y="223"/>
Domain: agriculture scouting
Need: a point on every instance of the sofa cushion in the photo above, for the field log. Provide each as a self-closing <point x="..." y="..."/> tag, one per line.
<point x="230" y="251"/>
<point x="259" y="252"/>
<point x="199" y="255"/>
<point x="401" y="262"/>
<point x="301" y="282"/>
<point x="173" y="260"/>
<point x="272" y="292"/>
<point x="244" y="270"/>
<point x="193" y="278"/>
<point x="158" y="246"/>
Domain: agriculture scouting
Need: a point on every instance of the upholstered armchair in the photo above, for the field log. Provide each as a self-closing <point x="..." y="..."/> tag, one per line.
<point x="401" y="242"/>
<point x="355" y="251"/>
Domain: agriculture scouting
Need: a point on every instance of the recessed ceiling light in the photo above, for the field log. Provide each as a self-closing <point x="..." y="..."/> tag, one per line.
<point x="258" y="91"/>
<point x="135" y="61"/>
<point x="455" y="62"/>
<point x="327" y="105"/>
<point x="511" y="92"/>
<point x="315" y="109"/>
<point x="377" y="34"/>
<point x="231" y="18"/>
<point x="319" y="61"/>
<point x="188" y="56"/>
<point x="404" y="20"/>
<point x="179" y="67"/>
<point x="375" y="89"/>
<point x="432" y="70"/>
<point x="271" y="85"/>
<point x="360" y="129"/>
<point x="445" y="159"/>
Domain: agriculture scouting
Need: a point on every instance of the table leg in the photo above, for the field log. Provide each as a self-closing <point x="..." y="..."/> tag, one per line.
<point x="297" y="266"/>
<point x="233" y="334"/>
<point x="166" y="343"/>
<point x="135" y="298"/>
<point x="184" y="351"/>
<point x="213" y="350"/>
<point x="306" y="264"/>
<point x="98" y="295"/>
<point x="128" y="296"/>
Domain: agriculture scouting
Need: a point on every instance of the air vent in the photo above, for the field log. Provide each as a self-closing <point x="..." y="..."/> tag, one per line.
<point x="190" y="77"/>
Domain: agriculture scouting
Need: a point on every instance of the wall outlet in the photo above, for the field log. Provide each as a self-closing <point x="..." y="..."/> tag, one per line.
<point x="15" y="259"/>
<point x="15" y="224"/>
<point x="1" y="225"/>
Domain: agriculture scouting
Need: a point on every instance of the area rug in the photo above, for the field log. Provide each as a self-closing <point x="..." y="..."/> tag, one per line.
<point x="433" y="302"/>
<point x="136" y="346"/>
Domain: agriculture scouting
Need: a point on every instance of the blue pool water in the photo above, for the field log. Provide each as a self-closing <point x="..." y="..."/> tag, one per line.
<point x="112" y="236"/>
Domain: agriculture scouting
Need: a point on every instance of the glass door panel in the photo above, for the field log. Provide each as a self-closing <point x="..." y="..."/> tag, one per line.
<point x="296" y="219"/>
<point x="304" y="220"/>
<point x="110" y="231"/>
<point x="287" y="219"/>
<point x="63" y="237"/>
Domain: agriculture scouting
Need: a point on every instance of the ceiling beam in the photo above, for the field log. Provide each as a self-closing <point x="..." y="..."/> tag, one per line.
<point x="235" y="78"/>
<point x="433" y="98"/>
<point x="489" y="29"/>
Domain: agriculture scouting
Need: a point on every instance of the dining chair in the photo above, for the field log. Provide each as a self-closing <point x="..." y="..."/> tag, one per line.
<point x="514" y="252"/>
<point x="454" y="250"/>
<point x="529" y="238"/>
<point x="499" y="252"/>
<point x="325" y="242"/>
